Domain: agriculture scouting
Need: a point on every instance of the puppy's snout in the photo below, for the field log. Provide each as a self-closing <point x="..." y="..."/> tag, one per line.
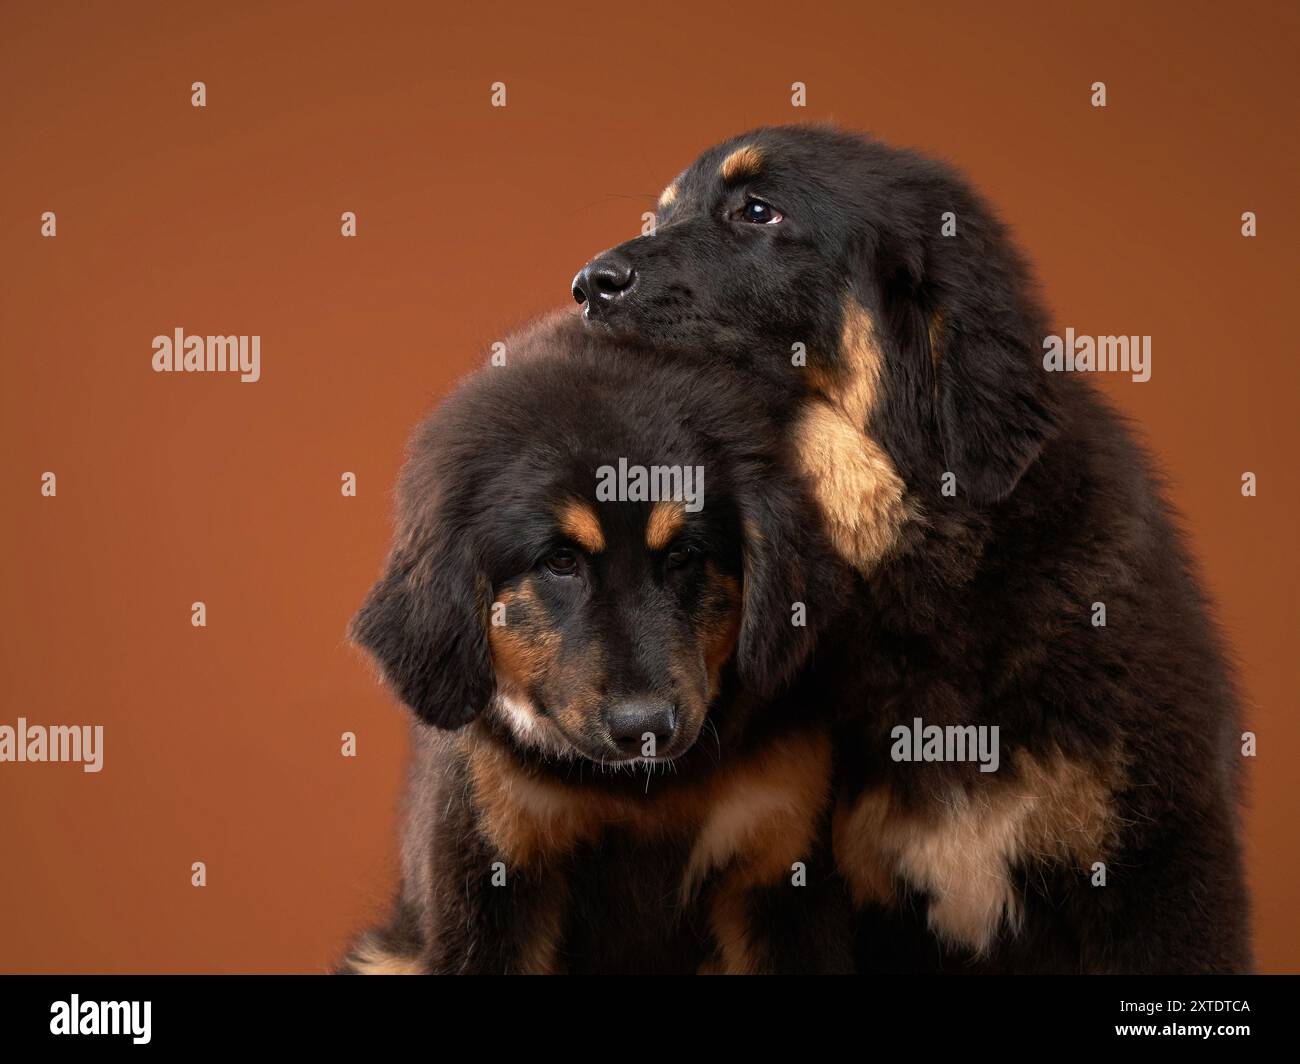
<point x="631" y="721"/>
<point x="603" y="281"/>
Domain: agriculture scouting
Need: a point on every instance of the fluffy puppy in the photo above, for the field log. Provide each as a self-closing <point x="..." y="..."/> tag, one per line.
<point x="817" y="262"/>
<point x="1023" y="578"/>
<point x="604" y="581"/>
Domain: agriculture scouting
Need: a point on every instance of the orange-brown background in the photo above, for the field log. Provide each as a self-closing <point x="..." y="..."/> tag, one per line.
<point x="222" y="744"/>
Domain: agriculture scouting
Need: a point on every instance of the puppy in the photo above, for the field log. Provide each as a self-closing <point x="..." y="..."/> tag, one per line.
<point x="616" y="767"/>
<point x="816" y="261"/>
<point x="1022" y="577"/>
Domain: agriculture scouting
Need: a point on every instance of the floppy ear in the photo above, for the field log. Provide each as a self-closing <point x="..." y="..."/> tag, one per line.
<point x="786" y="565"/>
<point x="965" y="305"/>
<point x="424" y="624"/>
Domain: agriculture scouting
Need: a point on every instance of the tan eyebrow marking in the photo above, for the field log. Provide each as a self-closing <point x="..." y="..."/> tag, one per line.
<point x="741" y="163"/>
<point x="668" y="196"/>
<point x="666" y="520"/>
<point x="579" y="522"/>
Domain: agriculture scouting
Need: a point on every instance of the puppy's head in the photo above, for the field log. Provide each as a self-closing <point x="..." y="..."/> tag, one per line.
<point x="883" y="265"/>
<point x="590" y="547"/>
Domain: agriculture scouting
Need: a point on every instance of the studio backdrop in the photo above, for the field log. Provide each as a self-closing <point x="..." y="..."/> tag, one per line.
<point x="368" y="197"/>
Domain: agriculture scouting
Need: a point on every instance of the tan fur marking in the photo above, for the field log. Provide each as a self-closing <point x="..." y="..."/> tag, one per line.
<point x="523" y="655"/>
<point x="666" y="519"/>
<point x="759" y="815"/>
<point x="852" y="383"/>
<point x="742" y="163"/>
<point x="579" y="522"/>
<point x="528" y="818"/>
<point x="370" y="958"/>
<point x="751" y="822"/>
<point x="761" y="821"/>
<point x="762" y="815"/>
<point x="668" y="196"/>
<point x="961" y="849"/>
<point x="519" y="654"/>
<point x="856" y="486"/>
<point x="861" y="495"/>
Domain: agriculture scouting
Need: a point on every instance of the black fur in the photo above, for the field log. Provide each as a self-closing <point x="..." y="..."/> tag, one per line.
<point x="476" y="500"/>
<point x="1119" y="744"/>
<point x="981" y="613"/>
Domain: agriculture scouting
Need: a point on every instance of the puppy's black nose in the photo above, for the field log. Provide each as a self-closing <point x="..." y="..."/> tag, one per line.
<point x="603" y="281"/>
<point x="631" y="721"/>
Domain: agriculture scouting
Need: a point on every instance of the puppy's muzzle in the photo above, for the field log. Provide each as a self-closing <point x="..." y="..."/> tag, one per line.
<point x="630" y="723"/>
<point x="602" y="283"/>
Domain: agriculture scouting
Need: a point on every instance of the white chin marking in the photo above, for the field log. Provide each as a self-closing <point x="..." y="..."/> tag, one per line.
<point x="521" y="718"/>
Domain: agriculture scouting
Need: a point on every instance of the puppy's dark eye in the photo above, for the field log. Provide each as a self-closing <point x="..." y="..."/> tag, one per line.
<point x="757" y="212"/>
<point x="681" y="556"/>
<point x="562" y="562"/>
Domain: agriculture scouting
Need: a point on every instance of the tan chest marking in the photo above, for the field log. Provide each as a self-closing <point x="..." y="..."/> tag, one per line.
<point x="761" y="820"/>
<point x="528" y="818"/>
<point x="750" y="824"/>
<point x="762" y="816"/>
<point x="961" y="850"/>
<point x="763" y="810"/>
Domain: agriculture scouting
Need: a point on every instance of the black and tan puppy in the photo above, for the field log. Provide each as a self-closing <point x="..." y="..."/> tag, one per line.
<point x="816" y="261"/>
<point x="1020" y="570"/>
<point x="590" y="600"/>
